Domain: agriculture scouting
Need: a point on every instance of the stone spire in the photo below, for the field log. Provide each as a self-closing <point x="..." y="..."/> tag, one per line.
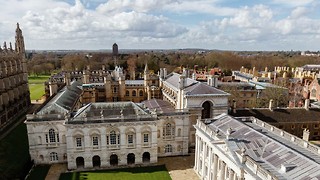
<point x="146" y="69"/>
<point x="5" y="46"/>
<point x="19" y="41"/>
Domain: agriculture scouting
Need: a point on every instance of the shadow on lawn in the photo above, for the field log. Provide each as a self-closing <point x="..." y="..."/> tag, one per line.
<point x="84" y="175"/>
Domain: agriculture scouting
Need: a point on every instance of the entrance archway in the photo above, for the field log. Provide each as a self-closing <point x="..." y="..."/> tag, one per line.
<point x="113" y="160"/>
<point x="130" y="158"/>
<point x="96" y="162"/>
<point x="206" y="111"/>
<point x="80" y="162"/>
<point x="146" y="157"/>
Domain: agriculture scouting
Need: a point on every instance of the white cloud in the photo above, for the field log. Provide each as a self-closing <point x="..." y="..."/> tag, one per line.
<point x="293" y="2"/>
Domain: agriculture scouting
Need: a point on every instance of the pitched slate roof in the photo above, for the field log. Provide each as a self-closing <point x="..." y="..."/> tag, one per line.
<point x="111" y="111"/>
<point x="267" y="149"/>
<point x="203" y="89"/>
<point x="193" y="87"/>
<point x="64" y="100"/>
<point x="159" y="105"/>
<point x="280" y="115"/>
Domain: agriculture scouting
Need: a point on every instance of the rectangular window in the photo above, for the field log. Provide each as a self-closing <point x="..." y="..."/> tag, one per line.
<point x="95" y="141"/>
<point x="118" y="138"/>
<point x="130" y="139"/>
<point x="78" y="142"/>
<point x="145" y="138"/>
<point x="57" y="137"/>
<point x="107" y="140"/>
<point x="113" y="139"/>
<point x="46" y="138"/>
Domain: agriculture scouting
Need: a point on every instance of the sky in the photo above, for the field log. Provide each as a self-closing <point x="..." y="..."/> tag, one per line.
<point x="241" y="25"/>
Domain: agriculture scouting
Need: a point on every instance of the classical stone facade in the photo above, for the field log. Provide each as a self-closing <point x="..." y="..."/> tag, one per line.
<point x="248" y="148"/>
<point x="14" y="90"/>
<point x="70" y="129"/>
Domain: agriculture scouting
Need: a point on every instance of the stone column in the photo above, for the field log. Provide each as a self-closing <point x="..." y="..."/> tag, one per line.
<point x="209" y="164"/>
<point x="222" y="171"/>
<point x="204" y="149"/>
<point x="196" y="159"/>
<point x="215" y="167"/>
<point x="231" y="174"/>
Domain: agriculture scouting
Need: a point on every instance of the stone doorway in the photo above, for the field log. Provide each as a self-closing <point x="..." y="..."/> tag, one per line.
<point x="130" y="159"/>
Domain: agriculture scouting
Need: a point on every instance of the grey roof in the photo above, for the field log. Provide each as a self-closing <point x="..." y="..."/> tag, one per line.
<point x="203" y="89"/>
<point x="193" y="87"/>
<point x="112" y="111"/>
<point x="134" y="82"/>
<point x="159" y="105"/>
<point x="173" y="79"/>
<point x="64" y="100"/>
<point x="269" y="150"/>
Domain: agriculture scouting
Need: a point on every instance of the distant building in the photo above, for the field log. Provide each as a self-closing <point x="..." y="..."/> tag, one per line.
<point x="115" y="50"/>
<point x="14" y="90"/>
<point x="248" y="148"/>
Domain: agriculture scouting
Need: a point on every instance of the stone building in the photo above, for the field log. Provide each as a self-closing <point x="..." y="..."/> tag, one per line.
<point x="67" y="129"/>
<point x="248" y="148"/>
<point x="291" y="120"/>
<point x="14" y="90"/>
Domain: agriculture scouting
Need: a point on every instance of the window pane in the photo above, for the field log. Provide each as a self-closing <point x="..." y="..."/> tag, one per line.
<point x="52" y="136"/>
<point x="145" y="138"/>
<point x="130" y="139"/>
<point x="95" y="141"/>
<point x="79" y="143"/>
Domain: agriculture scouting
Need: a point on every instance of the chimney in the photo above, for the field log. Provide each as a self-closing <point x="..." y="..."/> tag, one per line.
<point x="164" y="73"/>
<point x="307" y="104"/>
<point x="182" y="82"/>
<point x="210" y="80"/>
<point x="306" y="134"/>
<point x="234" y="106"/>
<point x="271" y="104"/>
<point x="161" y="74"/>
<point x="53" y="87"/>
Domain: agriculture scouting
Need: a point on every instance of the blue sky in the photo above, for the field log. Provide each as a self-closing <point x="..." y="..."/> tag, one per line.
<point x="165" y="24"/>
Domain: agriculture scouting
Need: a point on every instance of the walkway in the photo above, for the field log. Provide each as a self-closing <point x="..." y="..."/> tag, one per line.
<point x="55" y="171"/>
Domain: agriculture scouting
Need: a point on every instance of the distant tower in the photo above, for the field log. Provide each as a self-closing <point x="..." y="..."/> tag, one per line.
<point x="115" y="53"/>
<point x="115" y="49"/>
<point x="19" y="42"/>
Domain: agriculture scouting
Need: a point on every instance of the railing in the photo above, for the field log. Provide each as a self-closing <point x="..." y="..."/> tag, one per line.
<point x="292" y="138"/>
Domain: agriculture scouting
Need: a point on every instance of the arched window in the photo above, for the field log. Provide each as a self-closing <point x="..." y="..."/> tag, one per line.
<point x="134" y="93"/>
<point x="168" y="131"/>
<point x="168" y="148"/>
<point x="53" y="156"/>
<point x="52" y="137"/>
<point x="113" y="138"/>
<point x="140" y="93"/>
<point x="127" y="93"/>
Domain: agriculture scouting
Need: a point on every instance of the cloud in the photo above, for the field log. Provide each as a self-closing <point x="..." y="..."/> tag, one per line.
<point x="293" y="3"/>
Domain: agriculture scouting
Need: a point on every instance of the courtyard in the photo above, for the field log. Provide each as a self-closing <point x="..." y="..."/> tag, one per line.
<point x="175" y="168"/>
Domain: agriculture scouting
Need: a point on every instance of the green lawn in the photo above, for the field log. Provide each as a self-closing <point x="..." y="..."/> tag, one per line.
<point x="36" y="86"/>
<point x="14" y="153"/>
<point x="140" y="173"/>
<point x="39" y="172"/>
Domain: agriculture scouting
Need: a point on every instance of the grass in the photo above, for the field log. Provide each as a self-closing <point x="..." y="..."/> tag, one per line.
<point x="36" y="86"/>
<point x="14" y="153"/>
<point x="140" y="173"/>
<point x="39" y="172"/>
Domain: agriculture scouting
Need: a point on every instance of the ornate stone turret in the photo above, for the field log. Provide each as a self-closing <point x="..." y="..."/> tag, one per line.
<point x="19" y="41"/>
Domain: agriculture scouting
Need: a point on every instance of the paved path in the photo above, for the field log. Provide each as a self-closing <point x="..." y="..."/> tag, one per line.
<point x="180" y="167"/>
<point x="55" y="171"/>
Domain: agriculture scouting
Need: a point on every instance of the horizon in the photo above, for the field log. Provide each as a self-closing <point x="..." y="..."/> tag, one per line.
<point x="277" y="25"/>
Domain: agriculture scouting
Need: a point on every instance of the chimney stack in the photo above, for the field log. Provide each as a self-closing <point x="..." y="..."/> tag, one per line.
<point x="307" y="104"/>
<point x="271" y="104"/>
<point x="234" y="106"/>
<point x="306" y="134"/>
<point x="182" y="82"/>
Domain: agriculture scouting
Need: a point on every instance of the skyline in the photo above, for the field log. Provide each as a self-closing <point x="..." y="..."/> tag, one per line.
<point x="167" y="24"/>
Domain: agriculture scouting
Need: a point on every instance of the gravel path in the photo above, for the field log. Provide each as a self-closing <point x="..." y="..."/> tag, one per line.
<point x="180" y="167"/>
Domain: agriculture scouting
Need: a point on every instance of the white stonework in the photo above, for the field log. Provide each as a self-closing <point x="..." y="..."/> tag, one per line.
<point x="104" y="134"/>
